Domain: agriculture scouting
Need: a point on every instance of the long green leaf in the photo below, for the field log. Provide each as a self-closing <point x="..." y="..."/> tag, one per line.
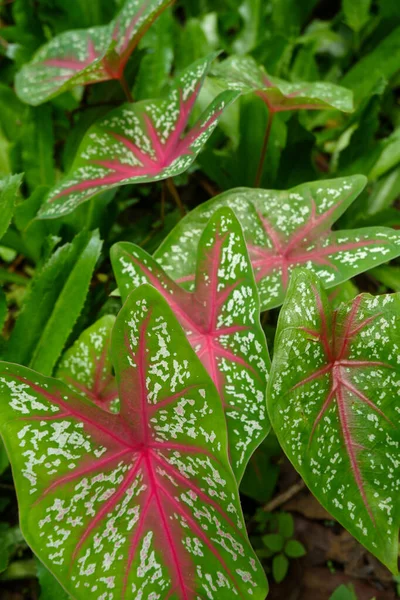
<point x="67" y="309"/>
<point x="9" y="187"/>
<point x="54" y="303"/>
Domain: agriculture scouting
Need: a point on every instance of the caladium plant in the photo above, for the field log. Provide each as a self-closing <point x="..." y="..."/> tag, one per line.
<point x="140" y="504"/>
<point x="86" y="366"/>
<point x="333" y="402"/>
<point x="87" y="56"/>
<point x="242" y="73"/>
<point x="140" y="142"/>
<point x="285" y="229"/>
<point x="222" y="323"/>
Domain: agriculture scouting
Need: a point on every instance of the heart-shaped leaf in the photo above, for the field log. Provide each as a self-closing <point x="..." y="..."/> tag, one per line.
<point x="87" y="56"/>
<point x="285" y="229"/>
<point x="333" y="402"/>
<point x="221" y="320"/>
<point x="140" y="504"/>
<point x="86" y="366"/>
<point x="242" y="73"/>
<point x="140" y="142"/>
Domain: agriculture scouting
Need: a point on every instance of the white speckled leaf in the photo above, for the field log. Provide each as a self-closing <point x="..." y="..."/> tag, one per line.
<point x="140" y="504"/>
<point x="333" y="400"/>
<point x="87" y="56"/>
<point x="242" y="73"/>
<point x="285" y="229"/>
<point x="140" y="142"/>
<point x="221" y="320"/>
<point x="86" y="366"/>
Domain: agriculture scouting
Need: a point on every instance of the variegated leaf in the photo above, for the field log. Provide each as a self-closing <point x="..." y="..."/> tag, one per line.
<point x="86" y="366"/>
<point x="87" y="56"/>
<point x="140" y="504"/>
<point x="285" y="229"/>
<point x="333" y="401"/>
<point x="221" y="320"/>
<point x="145" y="141"/>
<point x="242" y="73"/>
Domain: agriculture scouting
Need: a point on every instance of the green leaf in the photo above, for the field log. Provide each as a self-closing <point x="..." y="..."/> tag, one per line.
<point x="390" y="156"/>
<point x="34" y="148"/>
<point x="280" y="566"/>
<point x="221" y="319"/>
<point x="262" y="471"/>
<point x="344" y="386"/>
<point x="273" y="541"/>
<point x="87" y="56"/>
<point x="285" y="524"/>
<point x="140" y="142"/>
<point x="3" y="309"/>
<point x="156" y="64"/>
<point x="9" y="187"/>
<point x="356" y="13"/>
<point x="66" y="309"/>
<point x="294" y="549"/>
<point x="54" y="303"/>
<point x="250" y="11"/>
<point x="344" y="592"/>
<point x="382" y="62"/>
<point x="10" y="539"/>
<point x="11" y="112"/>
<point x="49" y="586"/>
<point x="285" y="229"/>
<point x="150" y="485"/>
<point x="388" y="275"/>
<point x="243" y="74"/>
<point x="86" y="366"/>
<point x="289" y="16"/>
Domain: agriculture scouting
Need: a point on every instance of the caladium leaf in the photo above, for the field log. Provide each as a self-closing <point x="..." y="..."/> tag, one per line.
<point x="222" y="323"/>
<point x="242" y="73"/>
<point x="70" y="59"/>
<point x="87" y="56"/>
<point x="86" y="366"/>
<point x="140" y="504"/>
<point x="333" y="402"/>
<point x="285" y="229"/>
<point x="140" y="142"/>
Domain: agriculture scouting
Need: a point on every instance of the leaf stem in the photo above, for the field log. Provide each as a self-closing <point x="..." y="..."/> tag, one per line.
<point x="175" y="194"/>
<point x="125" y="87"/>
<point x="271" y="114"/>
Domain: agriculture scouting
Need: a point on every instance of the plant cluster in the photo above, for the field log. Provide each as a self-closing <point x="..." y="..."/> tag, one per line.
<point x="137" y="392"/>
